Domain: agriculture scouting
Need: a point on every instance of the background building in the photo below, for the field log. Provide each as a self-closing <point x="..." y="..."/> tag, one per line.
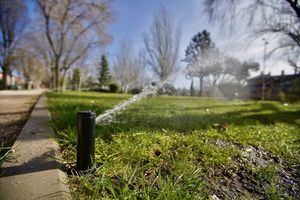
<point x="275" y="86"/>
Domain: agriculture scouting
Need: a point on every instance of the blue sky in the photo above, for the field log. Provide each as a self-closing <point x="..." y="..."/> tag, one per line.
<point x="134" y="17"/>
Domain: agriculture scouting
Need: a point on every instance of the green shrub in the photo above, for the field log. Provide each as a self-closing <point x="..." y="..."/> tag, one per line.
<point x="295" y="93"/>
<point x="135" y="91"/>
<point x="233" y="90"/>
<point x="113" y="88"/>
<point x="282" y="96"/>
<point x="101" y="90"/>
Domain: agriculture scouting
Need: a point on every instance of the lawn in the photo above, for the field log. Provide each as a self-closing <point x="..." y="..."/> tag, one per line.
<point x="183" y="148"/>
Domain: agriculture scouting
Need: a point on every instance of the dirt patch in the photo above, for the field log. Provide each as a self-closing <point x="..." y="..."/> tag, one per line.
<point x="14" y="111"/>
<point x="242" y="182"/>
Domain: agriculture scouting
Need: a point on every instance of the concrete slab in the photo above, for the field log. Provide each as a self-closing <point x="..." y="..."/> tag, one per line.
<point x="32" y="171"/>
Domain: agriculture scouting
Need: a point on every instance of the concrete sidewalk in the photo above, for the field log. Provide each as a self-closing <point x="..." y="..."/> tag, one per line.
<point x="22" y="92"/>
<point x="31" y="171"/>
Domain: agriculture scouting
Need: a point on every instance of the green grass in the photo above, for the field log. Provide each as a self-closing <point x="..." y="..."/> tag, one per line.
<point x="171" y="147"/>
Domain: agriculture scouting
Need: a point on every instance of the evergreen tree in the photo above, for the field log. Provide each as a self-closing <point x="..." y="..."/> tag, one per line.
<point x="200" y="43"/>
<point x="104" y="75"/>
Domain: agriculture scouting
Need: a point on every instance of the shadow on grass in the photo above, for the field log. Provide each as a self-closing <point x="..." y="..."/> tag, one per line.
<point x="84" y="96"/>
<point x="155" y="115"/>
<point x="268" y="114"/>
<point x="204" y="107"/>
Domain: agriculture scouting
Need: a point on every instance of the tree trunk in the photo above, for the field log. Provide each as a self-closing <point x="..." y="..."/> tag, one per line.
<point x="4" y="77"/>
<point x="122" y="87"/>
<point x="29" y="86"/>
<point x="52" y="78"/>
<point x="5" y="72"/>
<point x="11" y="83"/>
<point x="57" y="86"/>
<point x="56" y="70"/>
<point x="79" y="84"/>
<point x="192" y="92"/>
<point x="26" y="84"/>
<point x="201" y="85"/>
<point x="214" y="87"/>
<point x="63" y="81"/>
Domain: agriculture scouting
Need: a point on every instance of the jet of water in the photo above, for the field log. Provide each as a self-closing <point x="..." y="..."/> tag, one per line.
<point x="152" y="90"/>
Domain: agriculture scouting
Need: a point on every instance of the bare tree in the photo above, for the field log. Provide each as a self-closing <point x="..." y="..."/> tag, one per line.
<point x="12" y="22"/>
<point x="140" y="68"/>
<point x="280" y="18"/>
<point x="72" y="28"/>
<point x="162" y="46"/>
<point x="124" y="66"/>
<point x="33" y="71"/>
<point x="42" y="52"/>
<point x="293" y="60"/>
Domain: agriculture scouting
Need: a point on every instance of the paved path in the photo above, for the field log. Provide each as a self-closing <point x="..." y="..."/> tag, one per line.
<point x="15" y="107"/>
<point x="21" y="92"/>
<point x="32" y="171"/>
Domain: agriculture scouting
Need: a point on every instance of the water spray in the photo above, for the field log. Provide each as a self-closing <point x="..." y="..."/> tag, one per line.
<point x="86" y="121"/>
<point x="151" y="90"/>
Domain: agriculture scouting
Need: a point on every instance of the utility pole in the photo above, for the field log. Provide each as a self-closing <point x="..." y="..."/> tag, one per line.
<point x="263" y="88"/>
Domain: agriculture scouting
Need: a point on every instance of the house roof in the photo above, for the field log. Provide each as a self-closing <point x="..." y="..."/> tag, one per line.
<point x="277" y="77"/>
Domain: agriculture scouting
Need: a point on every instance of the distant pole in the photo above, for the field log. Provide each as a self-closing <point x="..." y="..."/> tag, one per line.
<point x="85" y="139"/>
<point x="263" y="88"/>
